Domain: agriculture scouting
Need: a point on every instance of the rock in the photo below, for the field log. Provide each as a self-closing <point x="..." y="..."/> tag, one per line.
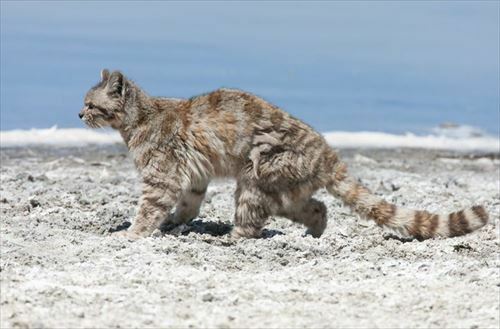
<point x="208" y="297"/>
<point x="34" y="203"/>
<point x="284" y="262"/>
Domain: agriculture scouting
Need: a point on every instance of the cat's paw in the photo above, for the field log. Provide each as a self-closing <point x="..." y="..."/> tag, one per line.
<point x="129" y="235"/>
<point x="314" y="232"/>
<point x="246" y="232"/>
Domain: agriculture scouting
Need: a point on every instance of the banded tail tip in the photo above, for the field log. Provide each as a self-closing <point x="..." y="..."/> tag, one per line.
<point x="466" y="221"/>
<point x="422" y="224"/>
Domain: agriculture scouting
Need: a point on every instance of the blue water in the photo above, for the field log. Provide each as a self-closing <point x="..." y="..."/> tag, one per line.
<point x="379" y="66"/>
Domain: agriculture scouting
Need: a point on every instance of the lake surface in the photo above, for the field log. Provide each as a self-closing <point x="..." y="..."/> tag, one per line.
<point x="377" y="66"/>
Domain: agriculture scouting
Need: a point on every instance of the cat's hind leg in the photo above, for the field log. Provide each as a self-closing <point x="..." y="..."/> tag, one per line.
<point x="312" y="213"/>
<point x="253" y="207"/>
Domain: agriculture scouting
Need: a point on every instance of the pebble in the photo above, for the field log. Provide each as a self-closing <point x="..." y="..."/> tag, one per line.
<point x="208" y="297"/>
<point x="35" y="203"/>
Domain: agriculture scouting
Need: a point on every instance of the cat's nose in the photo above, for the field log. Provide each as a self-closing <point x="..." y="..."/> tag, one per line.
<point x="80" y="115"/>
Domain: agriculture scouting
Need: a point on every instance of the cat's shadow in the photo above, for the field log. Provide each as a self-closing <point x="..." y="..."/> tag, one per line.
<point x="198" y="226"/>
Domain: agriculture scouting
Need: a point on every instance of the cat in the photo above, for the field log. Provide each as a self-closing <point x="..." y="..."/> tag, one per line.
<point x="179" y="145"/>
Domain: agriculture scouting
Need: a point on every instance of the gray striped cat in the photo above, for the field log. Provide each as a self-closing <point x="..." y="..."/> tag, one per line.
<point x="179" y="145"/>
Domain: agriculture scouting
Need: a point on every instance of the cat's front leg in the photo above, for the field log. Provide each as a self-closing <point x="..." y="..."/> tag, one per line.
<point x="189" y="204"/>
<point x="159" y="195"/>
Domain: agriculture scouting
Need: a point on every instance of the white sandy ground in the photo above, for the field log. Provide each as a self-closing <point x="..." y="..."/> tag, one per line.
<point x="60" y="268"/>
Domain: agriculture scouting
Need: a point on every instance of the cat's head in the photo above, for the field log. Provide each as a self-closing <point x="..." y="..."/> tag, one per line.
<point x="104" y="103"/>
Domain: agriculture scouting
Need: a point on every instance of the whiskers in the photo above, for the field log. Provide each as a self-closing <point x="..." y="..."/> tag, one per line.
<point x="94" y="122"/>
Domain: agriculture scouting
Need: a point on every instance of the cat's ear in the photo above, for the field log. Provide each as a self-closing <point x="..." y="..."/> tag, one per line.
<point x="115" y="83"/>
<point x="104" y="75"/>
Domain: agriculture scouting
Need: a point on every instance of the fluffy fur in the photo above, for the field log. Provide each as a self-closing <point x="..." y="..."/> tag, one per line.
<point x="179" y="145"/>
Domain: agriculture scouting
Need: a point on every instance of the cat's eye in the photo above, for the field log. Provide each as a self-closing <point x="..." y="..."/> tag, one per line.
<point x="90" y="106"/>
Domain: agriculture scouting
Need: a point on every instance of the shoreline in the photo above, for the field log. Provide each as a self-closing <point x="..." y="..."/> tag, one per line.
<point x="461" y="138"/>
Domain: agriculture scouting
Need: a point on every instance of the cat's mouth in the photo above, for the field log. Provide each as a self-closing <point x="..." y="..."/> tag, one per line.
<point x="94" y="120"/>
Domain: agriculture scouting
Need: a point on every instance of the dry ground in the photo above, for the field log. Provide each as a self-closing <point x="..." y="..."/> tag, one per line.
<point x="60" y="268"/>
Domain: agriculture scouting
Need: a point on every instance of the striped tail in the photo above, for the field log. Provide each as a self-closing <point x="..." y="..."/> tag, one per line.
<point x="416" y="223"/>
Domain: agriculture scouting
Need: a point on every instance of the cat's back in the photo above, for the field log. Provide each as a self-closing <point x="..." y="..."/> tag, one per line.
<point x="227" y="105"/>
<point x="224" y="100"/>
